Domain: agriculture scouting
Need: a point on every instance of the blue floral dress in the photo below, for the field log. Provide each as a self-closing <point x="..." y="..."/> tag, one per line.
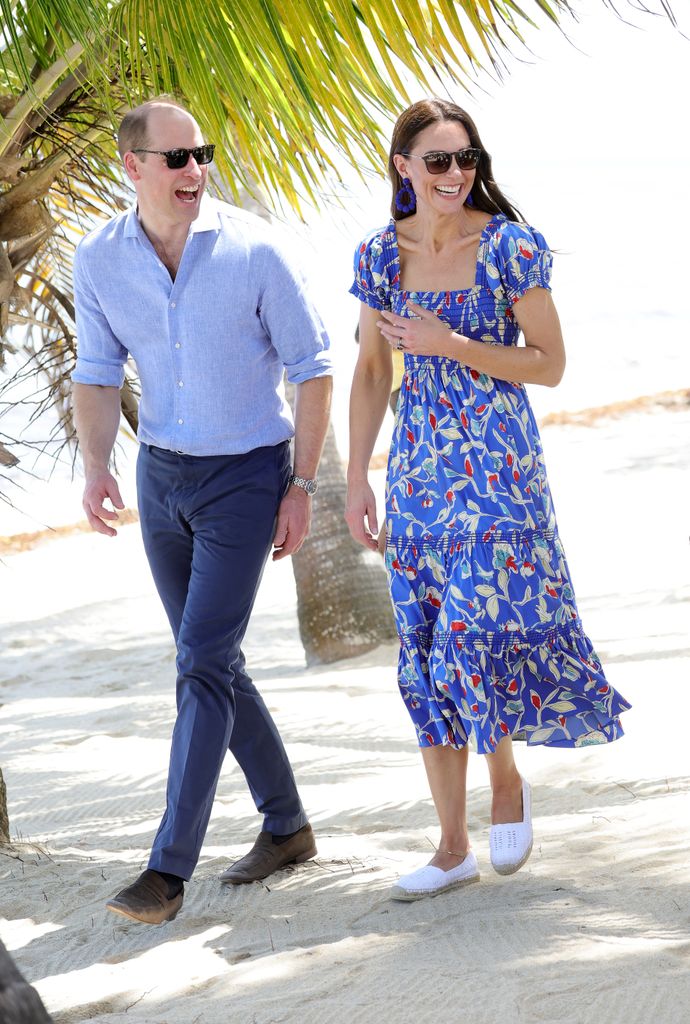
<point x="491" y="642"/>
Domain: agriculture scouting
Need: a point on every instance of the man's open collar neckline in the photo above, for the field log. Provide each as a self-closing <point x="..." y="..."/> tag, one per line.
<point x="208" y="219"/>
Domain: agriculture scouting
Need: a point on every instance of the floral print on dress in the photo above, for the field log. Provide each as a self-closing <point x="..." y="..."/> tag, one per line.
<point x="491" y="642"/>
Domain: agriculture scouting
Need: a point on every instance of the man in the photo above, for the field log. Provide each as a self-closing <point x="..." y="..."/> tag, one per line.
<point x="207" y="303"/>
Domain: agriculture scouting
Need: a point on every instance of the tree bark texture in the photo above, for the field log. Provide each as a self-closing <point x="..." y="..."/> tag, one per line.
<point x="4" y="820"/>
<point x="343" y="605"/>
<point x="19" y="1002"/>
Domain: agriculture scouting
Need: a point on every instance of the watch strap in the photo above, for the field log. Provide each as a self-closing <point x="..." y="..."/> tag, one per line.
<point x="309" y="486"/>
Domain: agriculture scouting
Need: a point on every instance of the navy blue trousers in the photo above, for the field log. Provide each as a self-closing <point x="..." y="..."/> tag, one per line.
<point x="207" y="525"/>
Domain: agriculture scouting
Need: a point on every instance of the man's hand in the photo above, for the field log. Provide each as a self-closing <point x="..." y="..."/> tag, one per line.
<point x="294" y="520"/>
<point x="99" y="487"/>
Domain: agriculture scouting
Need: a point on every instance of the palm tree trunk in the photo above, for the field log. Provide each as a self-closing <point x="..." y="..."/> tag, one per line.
<point x="343" y="606"/>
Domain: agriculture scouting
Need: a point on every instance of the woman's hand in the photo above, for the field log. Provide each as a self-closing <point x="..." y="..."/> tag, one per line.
<point x="425" y="335"/>
<point x="361" y="505"/>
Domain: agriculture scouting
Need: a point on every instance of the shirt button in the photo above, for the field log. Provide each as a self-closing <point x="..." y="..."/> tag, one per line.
<point x="180" y="384"/>
<point x="177" y="344"/>
<point x="173" y="305"/>
<point x="180" y="422"/>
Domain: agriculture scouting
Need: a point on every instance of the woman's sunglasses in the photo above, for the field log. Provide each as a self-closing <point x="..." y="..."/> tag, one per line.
<point x="439" y="161"/>
<point x="176" y="159"/>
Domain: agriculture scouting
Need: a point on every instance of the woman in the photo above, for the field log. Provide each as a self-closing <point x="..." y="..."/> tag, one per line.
<point x="491" y="641"/>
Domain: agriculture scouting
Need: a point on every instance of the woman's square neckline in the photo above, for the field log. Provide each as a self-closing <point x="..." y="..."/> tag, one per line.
<point x="393" y="230"/>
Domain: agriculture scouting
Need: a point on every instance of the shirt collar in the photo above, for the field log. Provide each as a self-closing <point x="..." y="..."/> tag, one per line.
<point x="208" y="219"/>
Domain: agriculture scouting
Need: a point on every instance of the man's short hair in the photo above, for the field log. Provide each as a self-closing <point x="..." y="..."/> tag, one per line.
<point x="133" y="133"/>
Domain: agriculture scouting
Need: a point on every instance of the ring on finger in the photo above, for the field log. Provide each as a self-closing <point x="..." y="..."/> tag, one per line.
<point x="400" y="347"/>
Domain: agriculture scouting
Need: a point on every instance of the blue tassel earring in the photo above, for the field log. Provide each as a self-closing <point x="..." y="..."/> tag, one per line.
<point x="469" y="201"/>
<point x="405" y="198"/>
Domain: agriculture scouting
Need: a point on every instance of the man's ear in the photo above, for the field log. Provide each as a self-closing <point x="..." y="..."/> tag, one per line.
<point x="132" y="166"/>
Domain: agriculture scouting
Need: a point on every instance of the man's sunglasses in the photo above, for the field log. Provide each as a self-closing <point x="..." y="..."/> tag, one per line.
<point x="176" y="159"/>
<point x="439" y="161"/>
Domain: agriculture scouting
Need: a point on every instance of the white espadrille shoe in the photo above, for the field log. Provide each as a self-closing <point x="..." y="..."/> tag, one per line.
<point x="430" y="881"/>
<point x="511" y="844"/>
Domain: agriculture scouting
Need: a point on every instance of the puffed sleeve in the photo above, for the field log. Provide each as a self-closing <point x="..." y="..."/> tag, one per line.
<point x="372" y="263"/>
<point x="518" y="259"/>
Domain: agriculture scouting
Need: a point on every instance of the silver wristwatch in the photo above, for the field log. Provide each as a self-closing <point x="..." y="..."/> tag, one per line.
<point x="307" y="485"/>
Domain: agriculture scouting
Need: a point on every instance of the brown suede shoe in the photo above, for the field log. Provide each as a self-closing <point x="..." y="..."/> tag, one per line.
<point x="265" y="857"/>
<point x="147" y="900"/>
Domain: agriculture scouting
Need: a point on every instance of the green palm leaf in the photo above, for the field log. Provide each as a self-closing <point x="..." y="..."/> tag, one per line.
<point x="275" y="84"/>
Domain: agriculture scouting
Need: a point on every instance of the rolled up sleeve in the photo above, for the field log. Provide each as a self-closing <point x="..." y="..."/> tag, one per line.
<point x="100" y="356"/>
<point x="291" y="320"/>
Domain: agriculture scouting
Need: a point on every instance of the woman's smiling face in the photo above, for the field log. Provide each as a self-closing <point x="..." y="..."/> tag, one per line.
<point x="441" y="193"/>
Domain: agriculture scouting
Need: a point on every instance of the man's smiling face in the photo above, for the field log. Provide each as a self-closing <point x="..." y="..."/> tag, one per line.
<point x="165" y="195"/>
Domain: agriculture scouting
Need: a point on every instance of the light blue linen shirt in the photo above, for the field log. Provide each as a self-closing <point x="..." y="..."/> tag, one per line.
<point x="210" y="347"/>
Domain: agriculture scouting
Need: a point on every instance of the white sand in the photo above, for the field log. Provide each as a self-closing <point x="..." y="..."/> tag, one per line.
<point x="596" y="927"/>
